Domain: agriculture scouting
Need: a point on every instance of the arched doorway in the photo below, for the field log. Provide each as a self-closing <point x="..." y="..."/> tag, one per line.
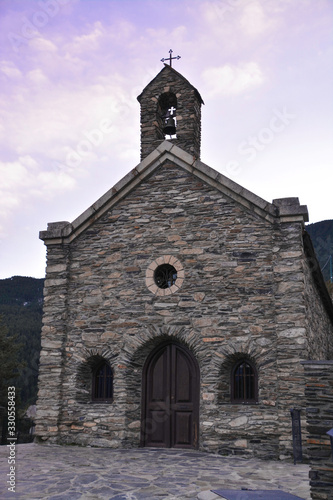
<point x="170" y="404"/>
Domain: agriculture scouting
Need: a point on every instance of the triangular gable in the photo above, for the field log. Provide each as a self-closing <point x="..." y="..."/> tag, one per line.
<point x="284" y="210"/>
<point x="172" y="70"/>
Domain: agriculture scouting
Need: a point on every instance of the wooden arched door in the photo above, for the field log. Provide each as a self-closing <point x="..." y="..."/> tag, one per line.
<point x="170" y="409"/>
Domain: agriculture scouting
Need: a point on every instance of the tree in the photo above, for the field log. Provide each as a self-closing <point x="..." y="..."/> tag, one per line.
<point x="21" y="300"/>
<point x="329" y="285"/>
<point x="9" y="363"/>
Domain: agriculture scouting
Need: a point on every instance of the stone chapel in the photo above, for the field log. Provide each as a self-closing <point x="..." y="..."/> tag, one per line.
<point x="179" y="307"/>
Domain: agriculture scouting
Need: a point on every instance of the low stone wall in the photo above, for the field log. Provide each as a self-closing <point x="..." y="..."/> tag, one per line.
<point x="319" y="396"/>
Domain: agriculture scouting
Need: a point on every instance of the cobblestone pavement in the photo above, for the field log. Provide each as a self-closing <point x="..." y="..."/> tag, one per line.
<point x="68" y="473"/>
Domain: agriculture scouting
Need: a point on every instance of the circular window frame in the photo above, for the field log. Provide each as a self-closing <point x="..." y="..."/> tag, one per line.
<point x="150" y="282"/>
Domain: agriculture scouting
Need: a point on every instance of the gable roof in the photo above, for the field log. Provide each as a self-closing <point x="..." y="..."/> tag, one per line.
<point x="281" y="210"/>
<point x="168" y="68"/>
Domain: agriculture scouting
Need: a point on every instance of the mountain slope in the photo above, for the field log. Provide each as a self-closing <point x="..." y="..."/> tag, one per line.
<point x="21" y="302"/>
<point x="322" y="238"/>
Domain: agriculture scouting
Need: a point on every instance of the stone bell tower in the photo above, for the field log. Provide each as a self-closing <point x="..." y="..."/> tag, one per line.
<point x="170" y="109"/>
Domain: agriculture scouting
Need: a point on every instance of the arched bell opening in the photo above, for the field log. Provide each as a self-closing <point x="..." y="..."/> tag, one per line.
<point x="166" y="115"/>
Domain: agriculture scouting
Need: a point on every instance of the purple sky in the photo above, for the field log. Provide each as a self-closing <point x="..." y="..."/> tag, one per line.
<point x="70" y="72"/>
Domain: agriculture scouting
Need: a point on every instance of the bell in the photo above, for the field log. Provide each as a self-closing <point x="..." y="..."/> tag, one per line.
<point x="169" y="127"/>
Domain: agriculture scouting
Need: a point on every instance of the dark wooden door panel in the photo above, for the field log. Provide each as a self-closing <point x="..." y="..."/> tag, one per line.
<point x="182" y="378"/>
<point x="183" y="425"/>
<point x="171" y="398"/>
<point x="157" y="429"/>
<point x="158" y="378"/>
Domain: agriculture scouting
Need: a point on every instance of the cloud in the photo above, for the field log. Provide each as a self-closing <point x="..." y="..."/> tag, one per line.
<point x="87" y="41"/>
<point x="13" y="177"/>
<point x="23" y="181"/>
<point x="228" y="79"/>
<point x="254" y="20"/>
<point x="62" y="133"/>
<point x="121" y="31"/>
<point x="240" y="25"/>
<point x="41" y="44"/>
<point x="9" y="69"/>
<point x="37" y="76"/>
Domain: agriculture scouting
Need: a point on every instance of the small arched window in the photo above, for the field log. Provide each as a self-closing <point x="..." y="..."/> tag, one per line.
<point x="244" y="383"/>
<point x="102" y="383"/>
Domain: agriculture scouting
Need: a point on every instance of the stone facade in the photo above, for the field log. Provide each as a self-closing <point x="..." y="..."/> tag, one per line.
<point x="244" y="290"/>
<point x="318" y="306"/>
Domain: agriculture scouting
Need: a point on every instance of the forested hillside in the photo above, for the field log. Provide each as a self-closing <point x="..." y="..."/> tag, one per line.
<point x="21" y="302"/>
<point x="322" y="238"/>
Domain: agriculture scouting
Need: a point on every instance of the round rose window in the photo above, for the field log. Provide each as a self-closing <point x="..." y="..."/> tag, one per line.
<point x="165" y="275"/>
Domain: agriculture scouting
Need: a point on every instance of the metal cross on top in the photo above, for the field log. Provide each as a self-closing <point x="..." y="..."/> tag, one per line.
<point x="170" y="58"/>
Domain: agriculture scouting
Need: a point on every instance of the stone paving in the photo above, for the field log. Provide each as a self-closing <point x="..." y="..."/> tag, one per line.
<point x="68" y="473"/>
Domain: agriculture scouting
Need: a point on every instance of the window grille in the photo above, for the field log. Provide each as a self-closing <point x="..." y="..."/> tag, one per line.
<point x="244" y="383"/>
<point x="102" y="383"/>
<point x="165" y="276"/>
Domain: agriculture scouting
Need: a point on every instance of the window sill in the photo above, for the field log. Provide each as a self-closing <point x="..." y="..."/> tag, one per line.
<point x="240" y="403"/>
<point x="101" y="402"/>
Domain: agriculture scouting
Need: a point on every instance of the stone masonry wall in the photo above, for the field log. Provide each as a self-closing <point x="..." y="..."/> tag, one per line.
<point x="240" y="297"/>
<point x="54" y="333"/>
<point x="320" y="340"/>
<point x="290" y="328"/>
<point x="319" y="400"/>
